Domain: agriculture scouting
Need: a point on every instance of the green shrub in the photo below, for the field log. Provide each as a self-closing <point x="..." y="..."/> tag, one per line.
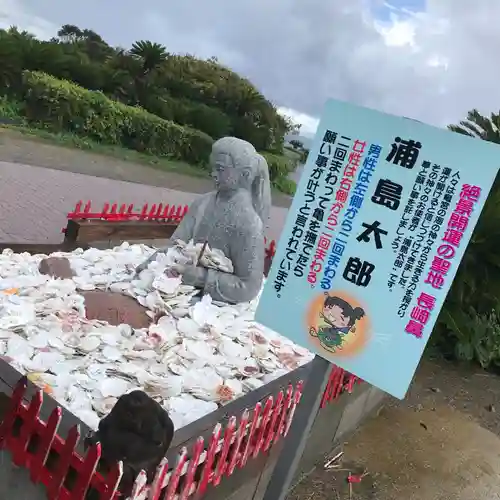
<point x="279" y="166"/>
<point x="467" y="335"/>
<point x="210" y="120"/>
<point x="285" y="185"/>
<point x="10" y="109"/>
<point x="62" y="106"/>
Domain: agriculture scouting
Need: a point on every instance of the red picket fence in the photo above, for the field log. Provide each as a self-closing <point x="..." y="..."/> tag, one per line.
<point x="124" y="212"/>
<point x="241" y="439"/>
<point x="155" y="212"/>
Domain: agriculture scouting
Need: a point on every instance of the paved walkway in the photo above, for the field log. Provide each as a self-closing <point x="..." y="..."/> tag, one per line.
<point x="34" y="201"/>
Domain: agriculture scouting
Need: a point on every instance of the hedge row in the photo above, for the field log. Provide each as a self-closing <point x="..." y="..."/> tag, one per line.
<point x="63" y="106"/>
<point x="212" y="121"/>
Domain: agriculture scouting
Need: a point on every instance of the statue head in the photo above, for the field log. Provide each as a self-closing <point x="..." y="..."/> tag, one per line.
<point x="235" y="165"/>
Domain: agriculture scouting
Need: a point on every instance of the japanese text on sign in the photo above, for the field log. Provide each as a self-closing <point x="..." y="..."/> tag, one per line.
<point x="442" y="261"/>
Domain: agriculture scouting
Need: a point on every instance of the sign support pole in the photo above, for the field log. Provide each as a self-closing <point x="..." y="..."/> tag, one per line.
<point x="295" y="442"/>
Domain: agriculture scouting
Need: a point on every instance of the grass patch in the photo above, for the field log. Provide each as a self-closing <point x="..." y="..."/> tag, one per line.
<point x="285" y="185"/>
<point x="291" y="153"/>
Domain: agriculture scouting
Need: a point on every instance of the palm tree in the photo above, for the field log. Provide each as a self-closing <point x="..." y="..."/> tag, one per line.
<point x="151" y="54"/>
<point x="479" y="126"/>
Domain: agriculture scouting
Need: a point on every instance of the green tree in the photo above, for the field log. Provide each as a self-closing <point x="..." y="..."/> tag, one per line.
<point x="69" y="33"/>
<point x="296" y="144"/>
<point x="151" y="54"/>
<point x="203" y="94"/>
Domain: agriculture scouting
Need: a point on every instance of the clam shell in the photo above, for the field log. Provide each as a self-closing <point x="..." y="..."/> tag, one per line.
<point x="89" y="344"/>
<point x="113" y="387"/>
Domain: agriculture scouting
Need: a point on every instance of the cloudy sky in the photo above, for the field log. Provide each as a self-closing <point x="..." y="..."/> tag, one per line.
<point x="431" y="60"/>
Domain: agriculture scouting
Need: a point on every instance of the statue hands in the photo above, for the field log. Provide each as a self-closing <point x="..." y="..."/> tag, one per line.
<point x="191" y="274"/>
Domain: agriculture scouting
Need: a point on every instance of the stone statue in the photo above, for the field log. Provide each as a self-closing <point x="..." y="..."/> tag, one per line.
<point x="232" y="219"/>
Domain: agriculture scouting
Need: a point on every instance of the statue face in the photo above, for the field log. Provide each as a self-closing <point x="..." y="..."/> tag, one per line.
<point x="226" y="176"/>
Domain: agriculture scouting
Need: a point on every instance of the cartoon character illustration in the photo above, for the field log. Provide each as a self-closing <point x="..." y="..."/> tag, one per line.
<point x="339" y="319"/>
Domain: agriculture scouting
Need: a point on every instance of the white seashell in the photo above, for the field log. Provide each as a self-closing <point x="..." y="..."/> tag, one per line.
<point x="113" y="387"/>
<point x="249" y="368"/>
<point x="232" y="349"/>
<point x="105" y="405"/>
<point x="18" y="348"/>
<point x="55" y="342"/>
<point x="66" y="367"/>
<point x="196" y="349"/>
<point x="111" y="339"/>
<point x="189" y="328"/>
<point x="177" y="368"/>
<point x="168" y="286"/>
<point x="5" y="334"/>
<point x="39" y="341"/>
<point x="119" y="287"/>
<point x="167" y="387"/>
<point x="111" y="353"/>
<point x="300" y="351"/>
<point x="146" y="354"/>
<point x="250" y="384"/>
<point x="44" y="361"/>
<point x="180" y="312"/>
<point x="261" y="351"/>
<point x="190" y="408"/>
<point x="203" y="383"/>
<point x="235" y="385"/>
<point x="202" y="311"/>
<point x="89" y="344"/>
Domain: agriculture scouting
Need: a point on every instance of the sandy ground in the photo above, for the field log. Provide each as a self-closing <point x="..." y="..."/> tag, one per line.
<point x="440" y="443"/>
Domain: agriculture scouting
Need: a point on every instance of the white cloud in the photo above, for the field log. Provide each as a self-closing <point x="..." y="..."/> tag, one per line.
<point x="309" y="123"/>
<point x="12" y="13"/>
<point x="397" y="32"/>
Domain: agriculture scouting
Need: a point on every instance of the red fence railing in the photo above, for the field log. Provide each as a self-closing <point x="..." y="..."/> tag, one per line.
<point x="71" y="475"/>
<point x="122" y="212"/>
<point x="242" y="439"/>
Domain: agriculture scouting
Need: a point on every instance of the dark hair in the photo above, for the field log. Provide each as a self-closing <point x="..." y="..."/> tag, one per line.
<point x="353" y="313"/>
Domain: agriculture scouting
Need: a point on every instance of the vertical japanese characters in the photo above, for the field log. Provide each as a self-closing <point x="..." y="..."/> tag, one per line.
<point x="443" y="259"/>
<point x="326" y="171"/>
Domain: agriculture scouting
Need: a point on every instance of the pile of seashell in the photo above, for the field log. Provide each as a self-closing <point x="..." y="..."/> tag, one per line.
<point x="197" y="356"/>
